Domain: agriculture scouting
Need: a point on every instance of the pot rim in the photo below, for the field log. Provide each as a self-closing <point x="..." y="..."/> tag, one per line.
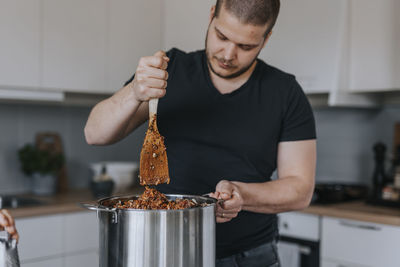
<point x="209" y="200"/>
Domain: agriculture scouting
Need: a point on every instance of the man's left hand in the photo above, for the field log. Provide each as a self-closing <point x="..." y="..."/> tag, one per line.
<point x="233" y="201"/>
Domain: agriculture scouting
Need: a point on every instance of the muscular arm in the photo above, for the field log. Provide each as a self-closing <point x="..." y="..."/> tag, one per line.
<point x="292" y="191"/>
<point x="114" y="118"/>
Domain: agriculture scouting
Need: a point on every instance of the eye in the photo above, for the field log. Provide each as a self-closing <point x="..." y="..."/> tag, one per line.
<point x="246" y="47"/>
<point x="221" y="37"/>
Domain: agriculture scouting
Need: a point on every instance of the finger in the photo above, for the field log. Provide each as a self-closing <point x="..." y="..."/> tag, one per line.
<point x="16" y="237"/>
<point x="9" y="217"/>
<point x="225" y="189"/>
<point x="152" y="72"/>
<point x="154" y="61"/>
<point x="155" y="93"/>
<point x="155" y="83"/>
<point x="3" y="220"/>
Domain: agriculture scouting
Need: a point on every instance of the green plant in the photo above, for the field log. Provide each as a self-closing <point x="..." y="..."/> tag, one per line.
<point x="34" y="160"/>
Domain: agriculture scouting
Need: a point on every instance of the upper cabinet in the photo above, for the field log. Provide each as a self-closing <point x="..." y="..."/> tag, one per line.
<point x="185" y="23"/>
<point x="374" y="58"/>
<point x="74" y="45"/>
<point x="307" y="40"/>
<point x="134" y="31"/>
<point x="20" y="43"/>
<point x="84" y="46"/>
<point x="344" y="49"/>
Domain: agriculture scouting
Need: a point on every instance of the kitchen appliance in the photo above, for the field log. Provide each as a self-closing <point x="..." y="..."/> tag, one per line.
<point x="123" y="173"/>
<point x="8" y="251"/>
<point x="299" y="239"/>
<point x="329" y="193"/>
<point x="156" y="238"/>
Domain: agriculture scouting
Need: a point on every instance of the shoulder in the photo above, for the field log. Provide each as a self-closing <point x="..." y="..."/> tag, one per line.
<point x="283" y="83"/>
<point x="185" y="61"/>
<point x="176" y="54"/>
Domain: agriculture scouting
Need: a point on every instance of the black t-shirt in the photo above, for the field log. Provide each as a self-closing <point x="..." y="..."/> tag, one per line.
<point x="211" y="136"/>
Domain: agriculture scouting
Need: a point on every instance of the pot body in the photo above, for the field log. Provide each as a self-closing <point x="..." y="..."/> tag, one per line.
<point x="158" y="238"/>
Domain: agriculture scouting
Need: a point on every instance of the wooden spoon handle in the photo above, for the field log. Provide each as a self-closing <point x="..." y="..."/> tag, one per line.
<point x="153" y="103"/>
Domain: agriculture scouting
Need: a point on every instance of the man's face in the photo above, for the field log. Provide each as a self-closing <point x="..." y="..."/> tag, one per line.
<point x="231" y="46"/>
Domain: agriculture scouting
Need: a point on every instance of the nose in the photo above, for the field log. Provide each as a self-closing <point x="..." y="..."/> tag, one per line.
<point x="230" y="52"/>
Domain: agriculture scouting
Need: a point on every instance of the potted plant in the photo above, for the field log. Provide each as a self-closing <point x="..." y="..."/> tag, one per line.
<point x="43" y="166"/>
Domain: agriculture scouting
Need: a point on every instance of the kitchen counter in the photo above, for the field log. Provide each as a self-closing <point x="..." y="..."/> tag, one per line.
<point x="357" y="210"/>
<point x="60" y="203"/>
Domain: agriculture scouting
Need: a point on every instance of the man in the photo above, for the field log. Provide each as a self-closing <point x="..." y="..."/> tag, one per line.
<point x="7" y="223"/>
<point x="229" y="122"/>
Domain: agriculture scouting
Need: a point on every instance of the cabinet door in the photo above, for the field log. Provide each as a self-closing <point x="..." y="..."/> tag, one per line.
<point x="74" y="45"/>
<point x="360" y="243"/>
<point x="40" y="237"/>
<point x="89" y="259"/>
<point x="299" y="225"/>
<point x="81" y="232"/>
<point x="325" y="263"/>
<point x="306" y="41"/>
<point x="374" y="45"/>
<point x="20" y="43"/>
<point x="185" y="23"/>
<point x="46" y="263"/>
<point x="134" y="31"/>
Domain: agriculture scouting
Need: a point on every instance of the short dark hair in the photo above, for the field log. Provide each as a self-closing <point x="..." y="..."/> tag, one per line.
<point x="255" y="12"/>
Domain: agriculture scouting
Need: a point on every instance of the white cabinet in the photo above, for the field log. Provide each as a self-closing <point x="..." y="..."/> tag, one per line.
<point x="83" y="46"/>
<point x="185" y="23"/>
<point x="374" y="62"/>
<point x="59" y="240"/>
<point x="90" y="259"/>
<point x="40" y="237"/>
<point x="81" y="232"/>
<point x="20" y="43"/>
<point x="46" y="263"/>
<point x="339" y="264"/>
<point x="307" y="41"/>
<point x="354" y="243"/>
<point x="74" y="44"/>
<point x="299" y="225"/>
<point x="134" y="31"/>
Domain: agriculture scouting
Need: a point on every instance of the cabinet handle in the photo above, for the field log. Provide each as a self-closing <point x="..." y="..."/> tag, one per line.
<point x="361" y="226"/>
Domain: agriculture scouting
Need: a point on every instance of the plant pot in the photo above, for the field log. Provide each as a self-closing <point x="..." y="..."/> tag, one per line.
<point x="44" y="184"/>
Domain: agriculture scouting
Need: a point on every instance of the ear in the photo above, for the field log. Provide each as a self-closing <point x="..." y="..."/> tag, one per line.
<point x="212" y="13"/>
<point x="266" y="39"/>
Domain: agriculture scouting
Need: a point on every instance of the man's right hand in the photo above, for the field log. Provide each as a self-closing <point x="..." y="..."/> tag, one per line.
<point x="7" y="223"/>
<point x="151" y="77"/>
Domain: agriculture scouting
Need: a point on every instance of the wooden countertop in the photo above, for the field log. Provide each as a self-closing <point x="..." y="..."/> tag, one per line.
<point x="60" y="203"/>
<point x="357" y="210"/>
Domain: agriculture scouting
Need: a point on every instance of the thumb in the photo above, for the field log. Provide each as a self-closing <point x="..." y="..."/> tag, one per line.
<point x="162" y="54"/>
<point x="224" y="188"/>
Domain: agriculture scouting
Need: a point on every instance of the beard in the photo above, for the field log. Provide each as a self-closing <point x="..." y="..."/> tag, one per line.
<point x="231" y="75"/>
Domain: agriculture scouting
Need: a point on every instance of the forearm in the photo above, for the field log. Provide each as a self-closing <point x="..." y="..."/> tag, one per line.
<point x="284" y="194"/>
<point x="109" y="120"/>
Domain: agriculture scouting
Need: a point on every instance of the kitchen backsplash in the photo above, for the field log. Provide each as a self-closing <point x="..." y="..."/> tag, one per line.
<point x="345" y="138"/>
<point x="20" y="122"/>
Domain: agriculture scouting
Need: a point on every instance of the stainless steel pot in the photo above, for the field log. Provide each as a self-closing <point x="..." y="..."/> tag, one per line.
<point x="156" y="238"/>
<point x="8" y="251"/>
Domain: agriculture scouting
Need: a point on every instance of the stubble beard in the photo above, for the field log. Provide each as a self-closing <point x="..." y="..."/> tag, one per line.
<point x="232" y="75"/>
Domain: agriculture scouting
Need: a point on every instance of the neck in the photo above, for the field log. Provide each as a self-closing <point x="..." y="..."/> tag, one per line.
<point x="226" y="86"/>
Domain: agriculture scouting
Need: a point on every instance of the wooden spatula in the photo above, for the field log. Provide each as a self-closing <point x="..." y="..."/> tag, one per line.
<point x="153" y="157"/>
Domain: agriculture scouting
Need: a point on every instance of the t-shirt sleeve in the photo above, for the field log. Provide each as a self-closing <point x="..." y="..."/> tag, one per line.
<point x="170" y="54"/>
<point x="298" y="118"/>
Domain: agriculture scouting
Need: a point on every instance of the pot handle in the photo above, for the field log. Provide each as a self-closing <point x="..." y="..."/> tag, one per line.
<point x="114" y="218"/>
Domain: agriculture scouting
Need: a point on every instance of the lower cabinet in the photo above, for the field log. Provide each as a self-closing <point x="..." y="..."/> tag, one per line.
<point x="326" y="263"/>
<point x="45" y="263"/>
<point x="61" y="240"/>
<point x="350" y="243"/>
